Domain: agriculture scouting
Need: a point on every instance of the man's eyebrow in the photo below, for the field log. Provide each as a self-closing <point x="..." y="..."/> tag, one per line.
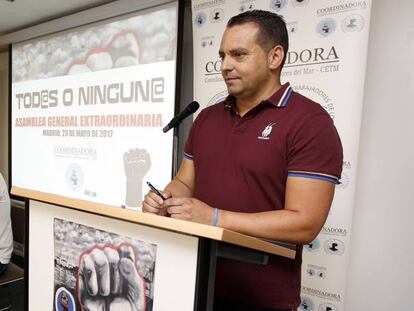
<point x="238" y="50"/>
<point x="234" y="51"/>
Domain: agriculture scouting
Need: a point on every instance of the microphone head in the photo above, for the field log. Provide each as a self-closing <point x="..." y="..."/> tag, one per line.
<point x="189" y="109"/>
<point x="193" y="106"/>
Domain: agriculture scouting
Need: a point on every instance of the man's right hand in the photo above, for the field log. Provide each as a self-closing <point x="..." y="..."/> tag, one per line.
<point x="154" y="204"/>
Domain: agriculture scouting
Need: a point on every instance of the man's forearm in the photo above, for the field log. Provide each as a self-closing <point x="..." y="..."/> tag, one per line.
<point x="281" y="225"/>
<point x="307" y="206"/>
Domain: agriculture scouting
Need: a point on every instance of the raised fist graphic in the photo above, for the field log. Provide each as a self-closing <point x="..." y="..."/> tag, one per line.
<point x="108" y="280"/>
<point x="137" y="163"/>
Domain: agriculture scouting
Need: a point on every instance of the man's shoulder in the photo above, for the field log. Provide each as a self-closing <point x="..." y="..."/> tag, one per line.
<point x="302" y="111"/>
<point x="305" y="105"/>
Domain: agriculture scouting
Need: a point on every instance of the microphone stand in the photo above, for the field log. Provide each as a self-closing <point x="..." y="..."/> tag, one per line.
<point x="175" y="152"/>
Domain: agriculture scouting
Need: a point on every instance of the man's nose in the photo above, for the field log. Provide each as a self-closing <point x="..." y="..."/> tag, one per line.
<point x="226" y="64"/>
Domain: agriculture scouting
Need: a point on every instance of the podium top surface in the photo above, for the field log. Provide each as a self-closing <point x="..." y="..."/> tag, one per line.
<point x="165" y="223"/>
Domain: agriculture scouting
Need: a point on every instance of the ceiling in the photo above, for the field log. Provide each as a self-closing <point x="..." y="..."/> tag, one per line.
<point x="19" y="14"/>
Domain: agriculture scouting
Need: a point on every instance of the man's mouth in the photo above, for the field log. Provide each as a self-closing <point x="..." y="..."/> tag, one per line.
<point x="229" y="79"/>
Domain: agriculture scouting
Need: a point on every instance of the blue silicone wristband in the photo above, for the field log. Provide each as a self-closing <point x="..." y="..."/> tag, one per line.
<point x="215" y="216"/>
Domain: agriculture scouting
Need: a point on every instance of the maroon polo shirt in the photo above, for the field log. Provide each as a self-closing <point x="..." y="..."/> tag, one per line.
<point x="242" y="164"/>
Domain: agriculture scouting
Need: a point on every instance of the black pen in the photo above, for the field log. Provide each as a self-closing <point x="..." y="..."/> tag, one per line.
<point x="153" y="189"/>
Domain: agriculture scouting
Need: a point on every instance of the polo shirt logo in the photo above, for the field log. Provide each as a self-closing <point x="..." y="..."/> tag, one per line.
<point x="266" y="132"/>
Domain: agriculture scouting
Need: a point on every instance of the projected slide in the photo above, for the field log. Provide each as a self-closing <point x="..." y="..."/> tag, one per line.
<point x="88" y="107"/>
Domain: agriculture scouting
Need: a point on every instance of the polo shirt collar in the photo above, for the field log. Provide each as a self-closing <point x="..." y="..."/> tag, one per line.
<point x="279" y="99"/>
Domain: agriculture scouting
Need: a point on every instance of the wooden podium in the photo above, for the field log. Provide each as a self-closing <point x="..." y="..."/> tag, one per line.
<point x="186" y="251"/>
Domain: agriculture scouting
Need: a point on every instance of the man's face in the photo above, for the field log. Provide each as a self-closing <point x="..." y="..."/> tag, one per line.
<point x="244" y="63"/>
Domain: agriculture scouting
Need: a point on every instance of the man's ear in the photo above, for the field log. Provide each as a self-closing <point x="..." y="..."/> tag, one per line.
<point x="275" y="57"/>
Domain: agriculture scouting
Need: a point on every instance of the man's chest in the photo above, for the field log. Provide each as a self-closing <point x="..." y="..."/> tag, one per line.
<point x="255" y="145"/>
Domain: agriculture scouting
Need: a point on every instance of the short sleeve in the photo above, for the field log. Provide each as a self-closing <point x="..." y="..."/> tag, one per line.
<point x="316" y="151"/>
<point x="189" y="145"/>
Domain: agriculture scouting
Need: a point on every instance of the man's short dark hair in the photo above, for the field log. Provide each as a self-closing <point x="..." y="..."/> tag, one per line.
<point x="272" y="28"/>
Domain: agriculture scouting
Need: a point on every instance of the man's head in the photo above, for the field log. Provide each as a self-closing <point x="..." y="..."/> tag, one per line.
<point x="253" y="49"/>
<point x="272" y="29"/>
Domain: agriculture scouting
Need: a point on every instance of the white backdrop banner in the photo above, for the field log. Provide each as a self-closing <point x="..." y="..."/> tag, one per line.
<point x="88" y="106"/>
<point x="326" y="62"/>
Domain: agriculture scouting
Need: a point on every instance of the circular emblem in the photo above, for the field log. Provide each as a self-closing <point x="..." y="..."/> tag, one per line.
<point x="296" y="3"/>
<point x="306" y="304"/>
<point x="334" y="247"/>
<point x="64" y="300"/>
<point x="344" y="181"/>
<point x="292" y="29"/>
<point x="219" y="97"/>
<point x="207" y="43"/>
<point x="321" y="274"/>
<point x="244" y="8"/>
<point x="354" y="22"/>
<point x="277" y="5"/>
<point x="216" y="15"/>
<point x="251" y="7"/>
<point x="313" y="246"/>
<point x="310" y="272"/>
<point x="327" y="307"/>
<point x="74" y="177"/>
<point x="200" y="19"/>
<point x="326" y="27"/>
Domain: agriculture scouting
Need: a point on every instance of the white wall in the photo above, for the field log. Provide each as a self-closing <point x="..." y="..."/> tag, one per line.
<point x="381" y="271"/>
<point x="4" y="108"/>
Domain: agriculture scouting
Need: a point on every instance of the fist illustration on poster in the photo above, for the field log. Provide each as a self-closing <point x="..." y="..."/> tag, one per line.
<point x="109" y="280"/>
<point x="137" y="163"/>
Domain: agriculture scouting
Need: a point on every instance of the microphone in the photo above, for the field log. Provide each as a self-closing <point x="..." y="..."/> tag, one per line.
<point x="190" y="109"/>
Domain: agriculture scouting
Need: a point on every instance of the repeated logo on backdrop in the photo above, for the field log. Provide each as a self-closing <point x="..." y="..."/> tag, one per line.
<point x="332" y="239"/>
<point x="306" y="304"/>
<point x="278" y="5"/>
<point x="217" y="15"/>
<point x="208" y="42"/>
<point x="334" y="247"/>
<point x="314" y="271"/>
<point x="326" y="27"/>
<point x="292" y="28"/>
<point x="246" y="6"/>
<point x="313" y="246"/>
<point x="327" y="307"/>
<point x="200" y="19"/>
<point x="300" y="3"/>
<point x="353" y="22"/>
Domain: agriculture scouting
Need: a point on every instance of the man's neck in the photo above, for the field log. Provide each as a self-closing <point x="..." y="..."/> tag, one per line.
<point x="244" y="105"/>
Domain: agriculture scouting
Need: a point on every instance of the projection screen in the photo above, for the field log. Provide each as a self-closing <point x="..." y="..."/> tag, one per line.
<point x="88" y="106"/>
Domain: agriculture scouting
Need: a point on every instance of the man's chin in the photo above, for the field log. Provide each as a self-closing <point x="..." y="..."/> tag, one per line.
<point x="233" y="91"/>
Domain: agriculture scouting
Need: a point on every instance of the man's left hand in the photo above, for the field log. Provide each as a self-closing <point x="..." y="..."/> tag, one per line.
<point x="190" y="209"/>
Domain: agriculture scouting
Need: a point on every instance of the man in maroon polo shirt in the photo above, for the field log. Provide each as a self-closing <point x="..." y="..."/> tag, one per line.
<point x="264" y="163"/>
